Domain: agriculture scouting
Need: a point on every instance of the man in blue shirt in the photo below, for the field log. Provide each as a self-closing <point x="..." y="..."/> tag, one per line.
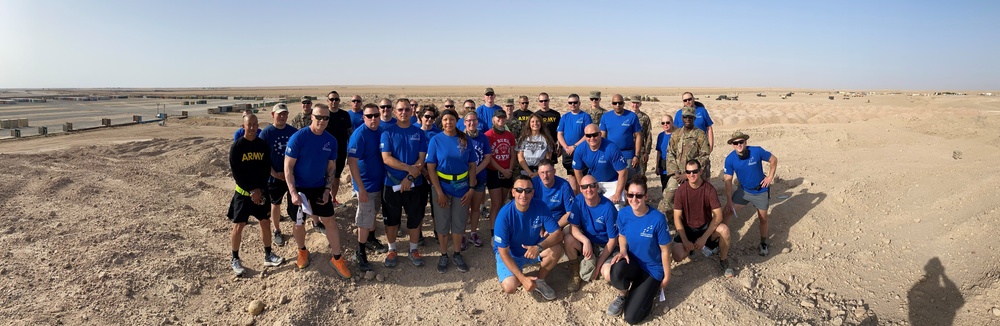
<point x="385" y="114"/>
<point x="622" y="127"/>
<point x="518" y="241"/>
<point x="570" y="133"/>
<point x="554" y="191"/>
<point x="276" y="135"/>
<point x="604" y="161"/>
<point x="593" y="233"/>
<point x="702" y="120"/>
<point x="487" y="109"/>
<point x="746" y="162"/>
<point x="357" y="112"/>
<point x="404" y="148"/>
<point x="365" y="162"/>
<point x="310" y="161"/>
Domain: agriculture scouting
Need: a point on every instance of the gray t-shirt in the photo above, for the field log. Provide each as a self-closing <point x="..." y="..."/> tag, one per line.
<point x="535" y="149"/>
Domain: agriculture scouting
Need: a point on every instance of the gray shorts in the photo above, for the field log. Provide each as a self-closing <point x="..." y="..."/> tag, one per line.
<point x="451" y="219"/>
<point x="760" y="200"/>
<point x="365" y="217"/>
<point x="590" y="266"/>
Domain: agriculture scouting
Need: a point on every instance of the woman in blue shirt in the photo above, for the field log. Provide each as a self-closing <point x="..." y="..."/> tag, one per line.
<point x="480" y="146"/>
<point x="662" y="140"/>
<point x="451" y="166"/>
<point x="641" y="270"/>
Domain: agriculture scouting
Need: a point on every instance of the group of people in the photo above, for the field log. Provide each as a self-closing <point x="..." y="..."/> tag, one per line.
<point x="400" y="155"/>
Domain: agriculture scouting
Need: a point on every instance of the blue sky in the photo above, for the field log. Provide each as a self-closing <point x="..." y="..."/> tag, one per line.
<point x="802" y="44"/>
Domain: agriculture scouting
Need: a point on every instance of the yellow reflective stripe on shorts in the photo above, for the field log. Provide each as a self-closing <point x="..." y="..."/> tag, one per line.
<point x="241" y="191"/>
<point x="451" y="177"/>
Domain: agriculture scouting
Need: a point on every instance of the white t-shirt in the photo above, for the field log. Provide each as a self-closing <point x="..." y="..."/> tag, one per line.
<point x="535" y="149"/>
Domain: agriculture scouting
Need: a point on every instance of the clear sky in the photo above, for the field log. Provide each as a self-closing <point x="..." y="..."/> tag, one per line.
<point x="937" y="45"/>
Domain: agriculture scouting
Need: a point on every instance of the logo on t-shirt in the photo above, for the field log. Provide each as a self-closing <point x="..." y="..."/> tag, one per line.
<point x="497" y="239"/>
<point x="326" y="147"/>
<point x="555" y="198"/>
<point x="599" y="220"/>
<point x="647" y="232"/>
<point x="415" y="136"/>
<point x="352" y="150"/>
<point x="752" y="162"/>
<point x="626" y="124"/>
<point x="537" y="224"/>
<point x="602" y="160"/>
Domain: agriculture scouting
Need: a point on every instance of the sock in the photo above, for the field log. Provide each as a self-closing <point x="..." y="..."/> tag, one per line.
<point x="413" y="246"/>
<point x="392" y="246"/>
<point x="302" y="248"/>
<point x="371" y="236"/>
<point x="336" y="256"/>
<point x="267" y="251"/>
<point x="361" y="247"/>
<point x="236" y="254"/>
<point x="763" y="240"/>
<point x="278" y="232"/>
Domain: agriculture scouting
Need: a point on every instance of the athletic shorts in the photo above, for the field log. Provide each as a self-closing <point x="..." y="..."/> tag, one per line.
<point x="314" y="195"/>
<point x="494" y="181"/>
<point x="365" y="217"/>
<point x="694" y="234"/>
<point x="502" y="271"/>
<point x="451" y="219"/>
<point x="340" y="163"/>
<point x="760" y="200"/>
<point x="413" y="202"/>
<point x="567" y="163"/>
<point x="243" y="207"/>
<point x="590" y="266"/>
<point x="480" y="185"/>
<point x="276" y="190"/>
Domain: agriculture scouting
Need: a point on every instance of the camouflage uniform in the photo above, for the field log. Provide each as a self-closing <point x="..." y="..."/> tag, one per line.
<point x="647" y="140"/>
<point x="301" y="120"/>
<point x="596" y="114"/>
<point x="685" y="145"/>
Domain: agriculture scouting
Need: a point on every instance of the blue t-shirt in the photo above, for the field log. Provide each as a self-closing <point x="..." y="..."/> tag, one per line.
<point x="240" y="132"/>
<point x="386" y="124"/>
<point x="662" y="144"/>
<point x="430" y="133"/>
<point x="644" y="236"/>
<point x="480" y="147"/>
<point x="559" y="199"/>
<point x="621" y="130"/>
<point x="572" y="125"/>
<point x="363" y="145"/>
<point x="701" y="119"/>
<point x="514" y="228"/>
<point x="405" y="144"/>
<point x="750" y="171"/>
<point x="357" y="118"/>
<point x="598" y="223"/>
<point x="277" y="139"/>
<point x="451" y="158"/>
<point x="312" y="153"/>
<point x="460" y="125"/>
<point x="603" y="164"/>
<point x="485" y="114"/>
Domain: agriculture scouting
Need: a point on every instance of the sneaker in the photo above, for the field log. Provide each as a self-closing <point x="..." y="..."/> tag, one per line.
<point x="354" y="194"/>
<point x="545" y="290"/>
<point x="465" y="243"/>
<point x="420" y="240"/>
<point x="726" y="270"/>
<point x="237" y="267"/>
<point x="460" y="262"/>
<point x="303" y="259"/>
<point x="415" y="258"/>
<point x="763" y="249"/>
<point x="362" y="260"/>
<point x="616" y="307"/>
<point x="278" y="239"/>
<point x="340" y="265"/>
<point x="376" y="246"/>
<point x="272" y="260"/>
<point x="476" y="240"/>
<point x="319" y="226"/>
<point x="390" y="259"/>
<point x="574" y="282"/>
<point x="443" y="264"/>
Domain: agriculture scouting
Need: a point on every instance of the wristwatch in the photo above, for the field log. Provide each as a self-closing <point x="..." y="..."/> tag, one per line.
<point x="410" y="177"/>
<point x="540" y="248"/>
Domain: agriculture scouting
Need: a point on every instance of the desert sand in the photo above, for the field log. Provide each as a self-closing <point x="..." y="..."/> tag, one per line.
<point x="884" y="212"/>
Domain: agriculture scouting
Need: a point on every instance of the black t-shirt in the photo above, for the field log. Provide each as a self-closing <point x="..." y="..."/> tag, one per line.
<point x="250" y="162"/>
<point x="551" y="120"/>
<point x="340" y="128"/>
<point x="520" y="115"/>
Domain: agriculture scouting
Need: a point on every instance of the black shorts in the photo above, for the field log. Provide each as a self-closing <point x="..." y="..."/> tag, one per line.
<point x="276" y="190"/>
<point x="494" y="181"/>
<point x="694" y="234"/>
<point x="413" y="202"/>
<point x="314" y="196"/>
<point x="567" y="163"/>
<point x="242" y="207"/>
<point x="339" y="166"/>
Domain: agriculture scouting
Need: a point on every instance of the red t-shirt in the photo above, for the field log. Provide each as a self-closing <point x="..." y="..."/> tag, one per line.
<point x="696" y="205"/>
<point x="502" y="144"/>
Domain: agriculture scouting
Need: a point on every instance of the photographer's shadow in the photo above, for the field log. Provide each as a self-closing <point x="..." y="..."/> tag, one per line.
<point x="934" y="299"/>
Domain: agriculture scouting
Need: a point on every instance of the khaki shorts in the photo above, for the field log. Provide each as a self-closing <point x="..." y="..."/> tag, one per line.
<point x="365" y="217"/>
<point x="590" y="266"/>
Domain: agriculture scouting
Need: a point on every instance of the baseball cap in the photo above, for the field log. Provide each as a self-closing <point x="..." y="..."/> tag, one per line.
<point x="636" y="98"/>
<point x="595" y="94"/>
<point x="500" y="113"/>
<point x="489" y="91"/>
<point x="280" y="107"/>
<point x="509" y="101"/>
<point x="305" y="99"/>
<point x="688" y="111"/>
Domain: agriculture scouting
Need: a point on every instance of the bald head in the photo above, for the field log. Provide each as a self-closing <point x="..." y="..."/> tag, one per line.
<point x="591" y="128"/>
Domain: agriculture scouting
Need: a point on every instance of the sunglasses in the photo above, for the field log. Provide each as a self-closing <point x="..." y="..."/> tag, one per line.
<point x="449" y="106"/>
<point x="574" y="103"/>
<point x="385" y="107"/>
<point x="595" y="99"/>
<point x="404" y="110"/>
<point x="695" y="171"/>
<point x="588" y="186"/>
<point x="413" y="104"/>
<point x="430" y="117"/>
<point x="617" y="103"/>
<point x="687" y="100"/>
<point x="664" y="123"/>
<point x="596" y="134"/>
<point x="307" y="102"/>
<point x="543" y="101"/>
<point x="489" y="94"/>
<point x="321" y="117"/>
<point x="636" y="196"/>
<point x="525" y="103"/>
<point x="523" y="190"/>
<point x="687" y="117"/>
<point x="355" y="101"/>
<point x="334" y="99"/>
<point x="469" y="108"/>
<point x="373" y="115"/>
<point x="739" y="142"/>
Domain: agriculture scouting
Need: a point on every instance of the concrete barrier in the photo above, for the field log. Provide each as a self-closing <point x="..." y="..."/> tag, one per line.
<point x="137" y="118"/>
<point x="43" y="130"/>
<point x="22" y="123"/>
<point x="184" y="114"/>
<point x="106" y="122"/>
<point x="5" y="124"/>
<point x="16" y="133"/>
<point x="68" y="127"/>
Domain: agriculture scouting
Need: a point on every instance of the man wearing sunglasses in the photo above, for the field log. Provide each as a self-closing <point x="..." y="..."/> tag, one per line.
<point x="357" y="112"/>
<point x="622" y="127"/>
<point x="701" y="121"/>
<point x="303" y="119"/>
<point x="698" y="219"/>
<point x="687" y="143"/>
<point x="646" y="134"/>
<point x="486" y="109"/>
<point x="746" y="162"/>
<point x="310" y="160"/>
<point x="386" y="114"/>
<point x="596" y="111"/>
<point x="518" y="241"/>
<point x="570" y="133"/>
<point x="367" y="170"/>
<point x="593" y="235"/>
<point x="551" y="118"/>
<point x="512" y="123"/>
<point x="340" y="127"/>
<point x="276" y="135"/>
<point x="604" y="161"/>
<point x="404" y="148"/>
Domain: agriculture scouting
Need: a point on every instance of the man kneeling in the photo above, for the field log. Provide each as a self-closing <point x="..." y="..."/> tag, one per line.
<point x="694" y="202"/>
<point x="518" y="241"/>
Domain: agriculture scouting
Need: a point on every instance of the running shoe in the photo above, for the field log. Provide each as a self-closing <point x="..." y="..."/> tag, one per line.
<point x="476" y="240"/>
<point x="420" y="240"/>
<point x="616" y="307"/>
<point x="545" y="290"/>
<point x="575" y="282"/>
<point x="460" y="262"/>
<point x="726" y="270"/>
<point x="238" y="267"/>
<point x="272" y="260"/>
<point x="465" y="243"/>
<point x="376" y="246"/>
<point x="763" y="249"/>
<point x="415" y="258"/>
<point x="443" y="264"/>
<point x="303" y="259"/>
<point x="319" y="226"/>
<point x="278" y="239"/>
<point x="340" y="265"/>
<point x="390" y="259"/>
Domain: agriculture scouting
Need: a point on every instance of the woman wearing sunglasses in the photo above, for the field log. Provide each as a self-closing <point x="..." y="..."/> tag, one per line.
<point x="451" y="166"/>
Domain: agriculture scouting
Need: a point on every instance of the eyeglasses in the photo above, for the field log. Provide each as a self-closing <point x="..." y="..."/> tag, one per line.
<point x="596" y="134"/>
<point x="687" y="100"/>
<point x="449" y="106"/>
<point x="664" y="123"/>
<point x="373" y="115"/>
<point x="355" y="101"/>
<point x="543" y="101"/>
<point x="524" y="190"/>
<point x="334" y="99"/>
<point x="588" y="186"/>
<point x="636" y="196"/>
<point x="404" y="110"/>
<point x="595" y="99"/>
<point x="321" y="117"/>
<point x="385" y="107"/>
<point x="524" y="103"/>
<point x="469" y="108"/>
<point x="574" y="103"/>
<point x="695" y="171"/>
<point x="739" y="142"/>
<point x="430" y="117"/>
<point x="617" y="103"/>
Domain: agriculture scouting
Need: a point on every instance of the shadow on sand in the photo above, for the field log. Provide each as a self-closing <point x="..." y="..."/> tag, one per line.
<point x="934" y="299"/>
